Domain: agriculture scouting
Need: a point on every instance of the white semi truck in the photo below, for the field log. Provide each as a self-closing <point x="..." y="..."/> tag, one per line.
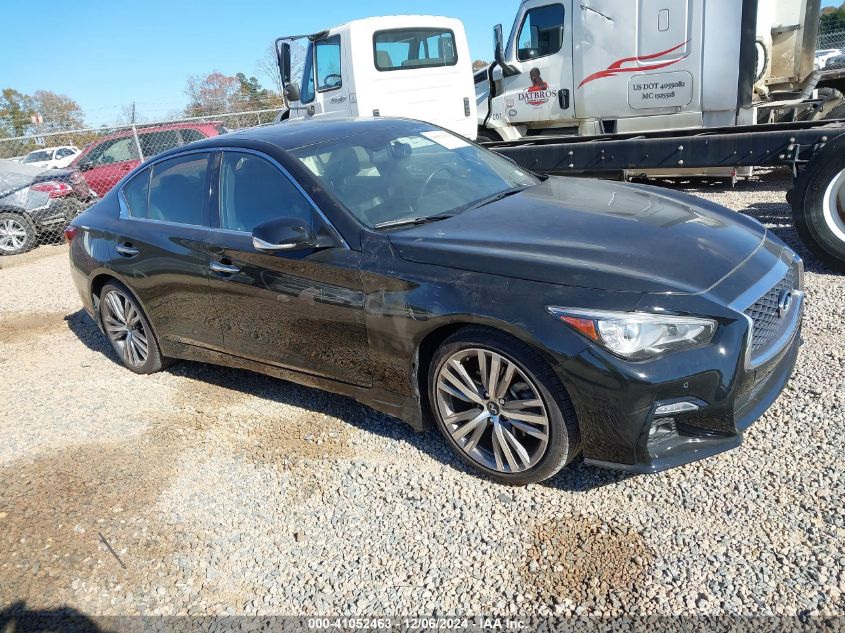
<point x="603" y="86"/>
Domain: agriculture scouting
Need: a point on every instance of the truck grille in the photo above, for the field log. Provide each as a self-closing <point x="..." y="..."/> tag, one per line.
<point x="764" y="314"/>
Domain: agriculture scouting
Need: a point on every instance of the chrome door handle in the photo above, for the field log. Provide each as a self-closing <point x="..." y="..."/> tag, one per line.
<point x="220" y="267"/>
<point x="127" y="250"/>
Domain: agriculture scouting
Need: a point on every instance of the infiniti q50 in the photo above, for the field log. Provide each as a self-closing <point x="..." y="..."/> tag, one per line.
<point x="529" y="319"/>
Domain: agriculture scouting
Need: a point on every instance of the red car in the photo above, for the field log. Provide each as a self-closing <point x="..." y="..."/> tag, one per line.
<point x="108" y="159"/>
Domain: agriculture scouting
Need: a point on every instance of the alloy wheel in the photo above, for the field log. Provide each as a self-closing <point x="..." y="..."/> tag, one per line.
<point x="492" y="410"/>
<point x="12" y="235"/>
<point x="125" y="328"/>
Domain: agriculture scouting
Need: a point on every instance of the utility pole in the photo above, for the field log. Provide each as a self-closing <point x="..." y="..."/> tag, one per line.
<point x="133" y="113"/>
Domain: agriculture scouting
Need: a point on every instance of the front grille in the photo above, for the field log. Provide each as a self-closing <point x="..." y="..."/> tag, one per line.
<point x="764" y="313"/>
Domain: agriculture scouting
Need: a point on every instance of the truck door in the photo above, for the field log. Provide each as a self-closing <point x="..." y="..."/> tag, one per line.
<point x="540" y="49"/>
<point x="324" y="92"/>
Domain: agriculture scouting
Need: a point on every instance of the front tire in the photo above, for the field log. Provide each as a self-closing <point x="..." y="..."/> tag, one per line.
<point x="501" y="407"/>
<point x="128" y="330"/>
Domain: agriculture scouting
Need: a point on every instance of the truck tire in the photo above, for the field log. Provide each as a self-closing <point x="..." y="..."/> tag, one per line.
<point x="818" y="204"/>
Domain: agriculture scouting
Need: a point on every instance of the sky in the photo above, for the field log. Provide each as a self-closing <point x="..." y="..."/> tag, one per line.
<point x="106" y="56"/>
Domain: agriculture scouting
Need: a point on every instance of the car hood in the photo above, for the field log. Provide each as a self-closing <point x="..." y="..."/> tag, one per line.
<point x="593" y="234"/>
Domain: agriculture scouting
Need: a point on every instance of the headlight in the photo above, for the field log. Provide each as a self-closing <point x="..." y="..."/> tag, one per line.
<point x="637" y="335"/>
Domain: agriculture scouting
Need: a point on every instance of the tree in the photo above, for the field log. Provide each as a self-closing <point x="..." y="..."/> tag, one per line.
<point x="16" y="109"/>
<point x="212" y="94"/>
<point x="221" y="94"/>
<point x="478" y="64"/>
<point x="59" y="112"/>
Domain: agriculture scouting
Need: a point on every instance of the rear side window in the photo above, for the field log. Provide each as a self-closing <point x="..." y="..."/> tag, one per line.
<point x="541" y="33"/>
<point x="178" y="190"/>
<point x="253" y="191"/>
<point x="135" y="194"/>
<point x="153" y="143"/>
<point x="189" y="135"/>
<point x="397" y="49"/>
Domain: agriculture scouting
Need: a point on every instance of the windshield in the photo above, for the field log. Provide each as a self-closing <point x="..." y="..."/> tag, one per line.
<point x="416" y="171"/>
<point x="38" y="156"/>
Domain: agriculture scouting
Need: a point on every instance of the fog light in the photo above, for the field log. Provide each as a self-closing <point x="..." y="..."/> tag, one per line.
<point x="661" y="429"/>
<point x="675" y="407"/>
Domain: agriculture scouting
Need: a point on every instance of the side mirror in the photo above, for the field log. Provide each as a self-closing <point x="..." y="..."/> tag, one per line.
<point x="499" y="53"/>
<point x="292" y="92"/>
<point x="283" y="59"/>
<point x="283" y="234"/>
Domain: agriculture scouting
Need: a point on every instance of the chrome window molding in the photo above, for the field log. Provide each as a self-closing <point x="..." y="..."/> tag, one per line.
<point x="124" y="207"/>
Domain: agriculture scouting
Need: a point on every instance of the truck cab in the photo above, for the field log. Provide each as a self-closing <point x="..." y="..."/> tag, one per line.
<point x="409" y="66"/>
<point x="603" y="66"/>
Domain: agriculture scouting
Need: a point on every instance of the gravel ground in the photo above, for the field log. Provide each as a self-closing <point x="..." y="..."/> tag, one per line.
<point x="225" y="492"/>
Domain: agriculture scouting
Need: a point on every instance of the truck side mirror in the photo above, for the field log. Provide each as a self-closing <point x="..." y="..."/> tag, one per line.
<point x="499" y="53"/>
<point x="283" y="59"/>
<point x="291" y="91"/>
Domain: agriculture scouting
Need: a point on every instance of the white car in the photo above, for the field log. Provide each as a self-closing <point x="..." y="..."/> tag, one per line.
<point x="825" y="54"/>
<point x="51" y="157"/>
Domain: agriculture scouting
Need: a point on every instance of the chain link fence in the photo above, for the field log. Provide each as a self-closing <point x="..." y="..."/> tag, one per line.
<point x="830" y="51"/>
<point x="48" y="178"/>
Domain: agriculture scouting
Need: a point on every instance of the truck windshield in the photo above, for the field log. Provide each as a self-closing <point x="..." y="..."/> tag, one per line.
<point x="413" y="171"/>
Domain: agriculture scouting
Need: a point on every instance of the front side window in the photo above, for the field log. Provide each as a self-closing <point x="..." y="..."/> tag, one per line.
<point x="136" y="194"/>
<point x="412" y="170"/>
<point x="541" y="33"/>
<point x="253" y="191"/>
<point x="328" y="64"/>
<point x="306" y="92"/>
<point x="114" y="151"/>
<point x="397" y="49"/>
<point x="178" y="190"/>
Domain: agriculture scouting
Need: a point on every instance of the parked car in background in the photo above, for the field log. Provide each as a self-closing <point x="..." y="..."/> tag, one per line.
<point x="835" y="61"/>
<point x="51" y="157"/>
<point x="530" y="319"/>
<point x="110" y="158"/>
<point x="35" y="201"/>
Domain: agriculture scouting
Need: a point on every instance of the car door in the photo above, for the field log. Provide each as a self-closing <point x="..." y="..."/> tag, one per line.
<point x="108" y="162"/>
<point x="161" y="249"/>
<point x="541" y="50"/>
<point x="303" y="309"/>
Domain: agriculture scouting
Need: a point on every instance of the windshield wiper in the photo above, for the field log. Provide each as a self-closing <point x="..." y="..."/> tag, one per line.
<point x="412" y="221"/>
<point x="498" y="196"/>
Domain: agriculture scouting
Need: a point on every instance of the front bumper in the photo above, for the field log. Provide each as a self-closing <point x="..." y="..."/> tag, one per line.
<point x="698" y="435"/>
<point x="726" y="385"/>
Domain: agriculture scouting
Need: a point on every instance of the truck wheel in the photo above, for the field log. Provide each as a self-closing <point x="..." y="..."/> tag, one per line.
<point x="486" y="136"/>
<point x="818" y="204"/>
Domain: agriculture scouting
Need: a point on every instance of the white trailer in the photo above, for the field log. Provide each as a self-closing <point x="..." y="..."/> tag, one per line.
<point x="415" y="66"/>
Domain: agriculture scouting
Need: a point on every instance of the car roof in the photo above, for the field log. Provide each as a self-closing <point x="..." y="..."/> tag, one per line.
<point x="155" y="128"/>
<point x="290" y="135"/>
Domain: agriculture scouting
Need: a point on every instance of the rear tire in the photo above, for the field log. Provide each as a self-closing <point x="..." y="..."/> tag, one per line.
<point x="128" y="330"/>
<point x="818" y="204"/>
<point x="475" y="419"/>
<point x="17" y="233"/>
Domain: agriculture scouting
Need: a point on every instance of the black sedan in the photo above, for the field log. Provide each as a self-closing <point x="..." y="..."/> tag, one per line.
<point x="530" y="319"/>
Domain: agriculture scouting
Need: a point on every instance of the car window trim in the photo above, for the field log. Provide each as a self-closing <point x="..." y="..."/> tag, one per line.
<point x="124" y="206"/>
<point x="332" y="228"/>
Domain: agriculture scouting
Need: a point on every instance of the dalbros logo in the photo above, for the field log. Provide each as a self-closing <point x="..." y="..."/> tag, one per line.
<point x="538" y="93"/>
